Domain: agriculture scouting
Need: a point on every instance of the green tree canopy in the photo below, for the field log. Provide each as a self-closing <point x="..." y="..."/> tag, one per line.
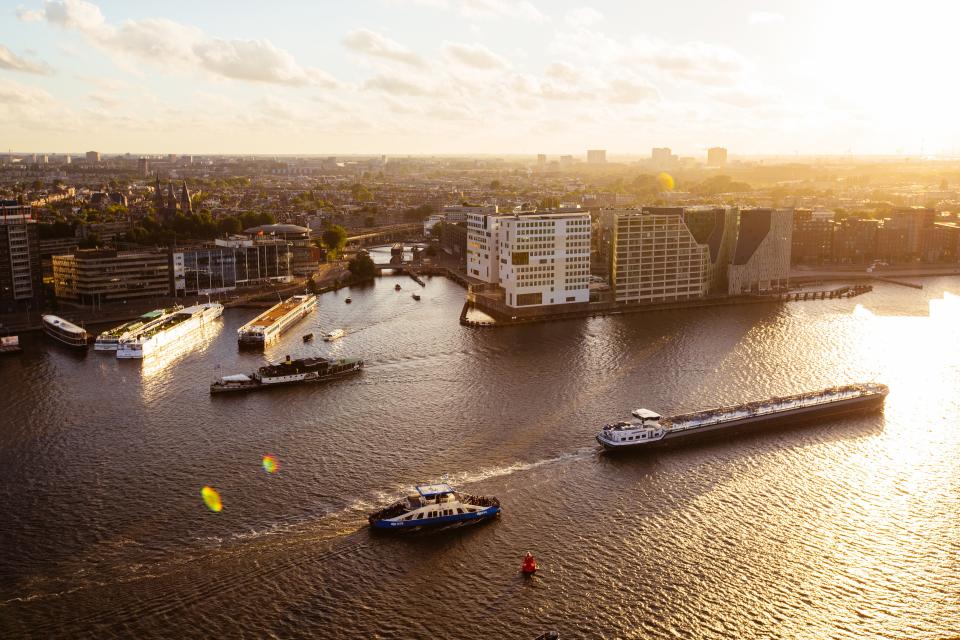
<point x="334" y="238"/>
<point x="362" y="266"/>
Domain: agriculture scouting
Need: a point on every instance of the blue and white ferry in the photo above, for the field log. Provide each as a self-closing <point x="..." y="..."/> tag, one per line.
<point x="435" y="505"/>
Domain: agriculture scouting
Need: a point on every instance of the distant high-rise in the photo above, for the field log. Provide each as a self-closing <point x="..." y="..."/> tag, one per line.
<point x="660" y="154"/>
<point x="93" y="156"/>
<point x="21" y="281"/>
<point x="68" y="159"/>
<point x="541" y="159"/>
<point x="596" y="156"/>
<point x="566" y="160"/>
<point x="716" y="157"/>
<point x="143" y="167"/>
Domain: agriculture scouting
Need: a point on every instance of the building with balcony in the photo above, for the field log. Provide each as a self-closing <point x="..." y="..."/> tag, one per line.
<point x="21" y="281"/>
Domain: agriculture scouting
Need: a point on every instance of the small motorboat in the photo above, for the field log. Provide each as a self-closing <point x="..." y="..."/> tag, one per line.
<point x="336" y="334"/>
<point x="416" y="296"/>
<point x="397" y="287"/>
<point x="435" y="505"/>
<point x="308" y="337"/>
<point x="529" y="564"/>
<point x="348" y="300"/>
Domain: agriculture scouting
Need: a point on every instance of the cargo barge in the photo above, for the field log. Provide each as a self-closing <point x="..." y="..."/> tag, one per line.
<point x="270" y="325"/>
<point x="651" y="430"/>
<point x="287" y="372"/>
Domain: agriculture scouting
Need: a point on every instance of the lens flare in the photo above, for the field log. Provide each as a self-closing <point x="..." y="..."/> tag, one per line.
<point x="271" y="464"/>
<point x="211" y="498"/>
<point x="667" y="183"/>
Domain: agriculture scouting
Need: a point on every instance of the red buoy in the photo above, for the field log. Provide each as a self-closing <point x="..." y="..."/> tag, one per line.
<point x="529" y="565"/>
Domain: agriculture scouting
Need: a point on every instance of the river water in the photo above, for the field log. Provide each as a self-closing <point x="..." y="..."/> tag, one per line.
<point x="843" y="529"/>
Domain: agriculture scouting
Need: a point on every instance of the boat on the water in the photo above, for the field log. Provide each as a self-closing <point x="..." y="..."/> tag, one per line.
<point x="348" y="300"/>
<point x="270" y="325"/>
<point x="651" y="430"/>
<point x="110" y="340"/>
<point x="435" y="505"/>
<point x="307" y="337"/>
<point x="65" y="332"/>
<point x="336" y="334"/>
<point x="416" y="296"/>
<point x="288" y="372"/>
<point x="9" y="344"/>
<point x="397" y="287"/>
<point x="156" y="337"/>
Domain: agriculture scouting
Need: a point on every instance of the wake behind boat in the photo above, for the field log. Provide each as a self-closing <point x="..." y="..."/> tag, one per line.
<point x="652" y="430"/>
<point x="435" y="505"/>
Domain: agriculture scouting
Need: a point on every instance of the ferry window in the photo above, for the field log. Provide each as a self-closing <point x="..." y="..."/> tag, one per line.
<point x="459" y="510"/>
<point x="419" y="516"/>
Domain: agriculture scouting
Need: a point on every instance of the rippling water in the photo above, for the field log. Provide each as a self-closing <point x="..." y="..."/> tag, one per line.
<point x="844" y="529"/>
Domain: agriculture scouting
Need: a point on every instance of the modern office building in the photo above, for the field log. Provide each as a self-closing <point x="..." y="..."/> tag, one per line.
<point x="143" y="167"/>
<point x="596" y="156"/>
<point x="21" y="280"/>
<point x="98" y="276"/>
<point x="761" y="261"/>
<point x="306" y="260"/>
<point x="458" y="212"/>
<point x="93" y="156"/>
<point x="716" y="157"/>
<point x="855" y="240"/>
<point x="717" y="228"/>
<point x="656" y="258"/>
<point x="537" y="259"/>
<point x="228" y="264"/>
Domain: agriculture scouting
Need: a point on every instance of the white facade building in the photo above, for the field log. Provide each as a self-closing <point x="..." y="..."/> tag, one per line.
<point x="538" y="259"/>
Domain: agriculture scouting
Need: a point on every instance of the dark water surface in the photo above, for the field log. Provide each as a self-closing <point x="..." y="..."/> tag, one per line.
<point x="845" y="529"/>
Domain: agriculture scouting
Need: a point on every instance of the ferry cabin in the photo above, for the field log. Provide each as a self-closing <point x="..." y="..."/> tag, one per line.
<point x="434" y="505"/>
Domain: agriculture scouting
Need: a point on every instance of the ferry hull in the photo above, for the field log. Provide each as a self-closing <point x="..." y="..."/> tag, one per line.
<point x="394" y="525"/>
<point x="789" y="418"/>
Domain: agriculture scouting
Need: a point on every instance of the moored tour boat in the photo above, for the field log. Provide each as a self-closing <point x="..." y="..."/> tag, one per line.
<point x="155" y="337"/>
<point x="110" y="340"/>
<point x="65" y="332"/>
<point x="651" y="430"/>
<point x="435" y="505"/>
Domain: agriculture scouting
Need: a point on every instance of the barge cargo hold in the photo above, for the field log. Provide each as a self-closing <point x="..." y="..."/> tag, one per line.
<point x="270" y="325"/>
<point x="650" y="430"/>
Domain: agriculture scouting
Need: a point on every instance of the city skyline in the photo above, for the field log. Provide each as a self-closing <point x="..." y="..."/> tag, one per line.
<point x="454" y="77"/>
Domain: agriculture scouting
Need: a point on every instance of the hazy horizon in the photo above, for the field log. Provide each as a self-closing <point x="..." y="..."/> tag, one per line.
<point x="477" y="77"/>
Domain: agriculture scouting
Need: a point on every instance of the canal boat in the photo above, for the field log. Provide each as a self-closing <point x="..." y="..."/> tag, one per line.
<point x="9" y="344"/>
<point x="336" y="334"/>
<point x="110" y="340"/>
<point x="397" y="287"/>
<point x="650" y="429"/>
<point x="307" y="337"/>
<point x="286" y="373"/>
<point x="173" y="329"/>
<point x="435" y="505"/>
<point x="348" y="300"/>
<point x="271" y="324"/>
<point x="416" y="296"/>
<point x="65" y="332"/>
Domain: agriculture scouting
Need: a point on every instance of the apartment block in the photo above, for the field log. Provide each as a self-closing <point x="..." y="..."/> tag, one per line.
<point x="656" y="258"/>
<point x="97" y="276"/>
<point x="761" y="261"/>
<point x="21" y="282"/>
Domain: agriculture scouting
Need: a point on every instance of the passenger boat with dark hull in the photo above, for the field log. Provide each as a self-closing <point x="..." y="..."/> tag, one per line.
<point x="288" y="372"/>
<point x="65" y="332"/>
<point x="435" y="505"/>
<point x="650" y="430"/>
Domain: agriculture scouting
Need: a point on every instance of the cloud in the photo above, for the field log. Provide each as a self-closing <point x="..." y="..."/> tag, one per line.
<point x="631" y="91"/>
<point x="583" y="17"/>
<point x="378" y="45"/>
<point x="474" y="55"/>
<point x="765" y="17"/>
<point x="169" y="43"/>
<point x="397" y="86"/>
<point x="11" y="61"/>
<point x="501" y="9"/>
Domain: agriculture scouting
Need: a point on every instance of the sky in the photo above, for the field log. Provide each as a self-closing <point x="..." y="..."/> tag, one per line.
<point x="479" y="77"/>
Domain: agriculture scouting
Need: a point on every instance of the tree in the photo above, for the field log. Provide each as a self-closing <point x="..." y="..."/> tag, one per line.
<point x="362" y="267"/>
<point x="360" y="193"/>
<point x="334" y="238"/>
<point x="229" y="225"/>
